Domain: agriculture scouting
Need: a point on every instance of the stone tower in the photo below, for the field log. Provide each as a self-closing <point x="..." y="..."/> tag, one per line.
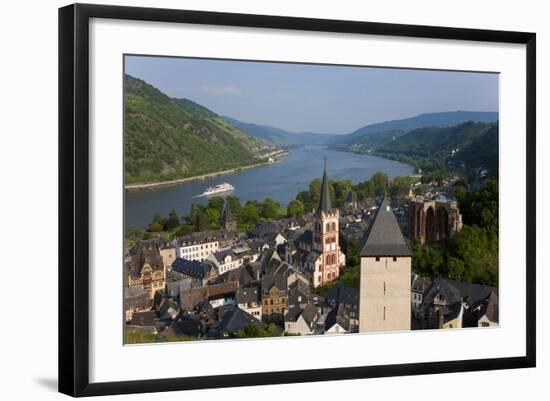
<point x="385" y="287"/>
<point x="325" y="236"/>
<point x="229" y="222"/>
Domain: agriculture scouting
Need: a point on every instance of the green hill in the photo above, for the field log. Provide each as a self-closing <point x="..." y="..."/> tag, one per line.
<point x="168" y="138"/>
<point x="373" y="135"/>
<point x="466" y="146"/>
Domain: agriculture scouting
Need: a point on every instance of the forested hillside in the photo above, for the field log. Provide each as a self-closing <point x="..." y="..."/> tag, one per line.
<point x="168" y="138"/>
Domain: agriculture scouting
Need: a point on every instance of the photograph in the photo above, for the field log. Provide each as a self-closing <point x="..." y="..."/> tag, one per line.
<point x="281" y="199"/>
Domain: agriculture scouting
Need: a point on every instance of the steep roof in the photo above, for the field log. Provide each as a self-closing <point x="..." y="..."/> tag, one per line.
<point x="235" y="320"/>
<point x="384" y="237"/>
<point x="325" y="204"/>
<point x="227" y="215"/>
<point x="191" y="268"/>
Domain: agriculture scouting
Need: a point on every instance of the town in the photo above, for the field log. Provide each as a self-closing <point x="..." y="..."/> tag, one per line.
<point x="291" y="276"/>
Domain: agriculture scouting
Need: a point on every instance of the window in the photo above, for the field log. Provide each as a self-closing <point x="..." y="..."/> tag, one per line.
<point x="333" y="226"/>
<point x="327" y="227"/>
<point x="384" y="313"/>
<point x="378" y="259"/>
<point x="384" y="288"/>
<point x="395" y="258"/>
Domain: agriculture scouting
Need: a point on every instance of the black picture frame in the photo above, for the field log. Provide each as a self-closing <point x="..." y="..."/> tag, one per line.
<point x="74" y="198"/>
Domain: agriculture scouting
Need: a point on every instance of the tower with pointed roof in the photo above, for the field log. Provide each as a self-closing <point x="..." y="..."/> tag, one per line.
<point x="385" y="286"/>
<point x="325" y="237"/>
<point x="229" y="222"/>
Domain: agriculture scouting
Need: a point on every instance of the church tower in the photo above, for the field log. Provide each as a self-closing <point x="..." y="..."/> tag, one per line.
<point x="229" y="222"/>
<point x="385" y="286"/>
<point x="325" y="237"/>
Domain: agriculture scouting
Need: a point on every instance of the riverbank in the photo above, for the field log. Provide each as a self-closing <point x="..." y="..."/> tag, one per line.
<point x="151" y="186"/>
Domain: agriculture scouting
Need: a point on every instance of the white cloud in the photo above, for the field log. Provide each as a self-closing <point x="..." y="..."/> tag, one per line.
<point x="230" y="90"/>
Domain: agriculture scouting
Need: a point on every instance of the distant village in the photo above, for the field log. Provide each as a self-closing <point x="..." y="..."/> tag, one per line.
<point x="284" y="276"/>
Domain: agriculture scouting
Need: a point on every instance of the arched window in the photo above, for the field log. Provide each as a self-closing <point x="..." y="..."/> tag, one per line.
<point x="327" y="227"/>
<point x="328" y="260"/>
<point x="333" y="226"/>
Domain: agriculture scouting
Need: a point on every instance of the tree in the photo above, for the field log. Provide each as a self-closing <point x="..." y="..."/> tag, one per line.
<point x="399" y="186"/>
<point x="155" y="227"/>
<point x="213" y="215"/>
<point x="455" y="268"/>
<point x="379" y="183"/>
<point x="352" y="253"/>
<point x="269" y="209"/>
<point x="157" y="218"/>
<point x="202" y="222"/>
<point x="249" y="213"/>
<point x="340" y="189"/>
<point x="183" y="230"/>
<point x="295" y="208"/>
<point x="216" y="203"/>
<point x="427" y="261"/>
<point x="173" y="221"/>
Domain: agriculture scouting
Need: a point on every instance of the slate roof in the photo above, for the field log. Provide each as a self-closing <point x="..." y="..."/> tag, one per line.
<point x="309" y="313"/>
<point x="191" y="268"/>
<point x="453" y="312"/>
<point x="249" y="294"/>
<point x="145" y="251"/>
<point x="233" y="321"/>
<point x="305" y="238"/>
<point x="201" y="237"/>
<point x="487" y="306"/>
<point x="239" y="275"/>
<point x="346" y="299"/>
<point x="185" y="326"/>
<point x="325" y="204"/>
<point x="455" y="291"/>
<point x="298" y="293"/>
<point x="168" y="309"/>
<point x="338" y="316"/>
<point x="384" y="237"/>
<point x="265" y="229"/>
<point x="278" y="281"/>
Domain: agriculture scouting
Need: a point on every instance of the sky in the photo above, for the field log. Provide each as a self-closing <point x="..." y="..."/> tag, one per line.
<point x="315" y="98"/>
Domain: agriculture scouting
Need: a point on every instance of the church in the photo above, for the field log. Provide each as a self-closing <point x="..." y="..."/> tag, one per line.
<point x="318" y="250"/>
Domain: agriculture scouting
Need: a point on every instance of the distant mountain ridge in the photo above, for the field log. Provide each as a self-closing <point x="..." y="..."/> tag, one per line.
<point x="280" y="137"/>
<point x="166" y="139"/>
<point x="369" y="135"/>
<point x="376" y="134"/>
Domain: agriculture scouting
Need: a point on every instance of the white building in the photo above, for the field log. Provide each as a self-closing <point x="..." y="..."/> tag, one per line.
<point x="226" y="260"/>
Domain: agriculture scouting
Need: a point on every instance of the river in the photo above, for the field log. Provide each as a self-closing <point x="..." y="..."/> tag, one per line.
<point x="280" y="181"/>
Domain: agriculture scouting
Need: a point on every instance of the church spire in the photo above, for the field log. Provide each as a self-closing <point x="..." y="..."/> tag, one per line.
<point x="325" y="204"/>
